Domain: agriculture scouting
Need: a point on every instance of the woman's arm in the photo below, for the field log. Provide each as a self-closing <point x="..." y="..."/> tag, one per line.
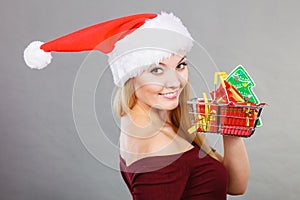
<point x="236" y="162"/>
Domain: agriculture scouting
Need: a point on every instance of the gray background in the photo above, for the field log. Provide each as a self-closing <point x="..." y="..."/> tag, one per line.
<point x="41" y="154"/>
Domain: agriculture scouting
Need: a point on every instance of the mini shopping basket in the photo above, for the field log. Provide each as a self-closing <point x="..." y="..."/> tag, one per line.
<point x="224" y="114"/>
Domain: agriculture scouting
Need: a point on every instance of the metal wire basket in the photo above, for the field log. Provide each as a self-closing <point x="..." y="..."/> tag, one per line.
<point x="235" y="119"/>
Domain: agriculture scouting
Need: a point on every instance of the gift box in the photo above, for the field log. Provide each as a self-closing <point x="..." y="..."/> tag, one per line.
<point x="239" y="119"/>
<point x="227" y="93"/>
<point x="206" y="116"/>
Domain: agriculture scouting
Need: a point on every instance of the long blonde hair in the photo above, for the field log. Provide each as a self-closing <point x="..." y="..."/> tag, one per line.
<point x="125" y="100"/>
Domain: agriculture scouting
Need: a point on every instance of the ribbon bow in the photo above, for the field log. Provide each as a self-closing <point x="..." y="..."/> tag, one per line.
<point x="249" y="112"/>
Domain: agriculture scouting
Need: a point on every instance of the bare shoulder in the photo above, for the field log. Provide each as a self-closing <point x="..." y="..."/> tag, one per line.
<point x="150" y="140"/>
<point x="168" y="142"/>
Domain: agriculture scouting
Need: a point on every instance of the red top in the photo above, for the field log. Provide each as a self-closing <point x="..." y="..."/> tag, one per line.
<point x="188" y="175"/>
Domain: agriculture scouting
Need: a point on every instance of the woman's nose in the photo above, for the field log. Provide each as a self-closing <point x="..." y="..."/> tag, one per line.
<point x="173" y="79"/>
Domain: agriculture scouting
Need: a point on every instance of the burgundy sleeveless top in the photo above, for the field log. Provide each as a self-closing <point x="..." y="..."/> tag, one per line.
<point x="189" y="175"/>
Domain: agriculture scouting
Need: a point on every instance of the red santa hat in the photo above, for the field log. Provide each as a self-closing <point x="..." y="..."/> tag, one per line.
<point x="132" y="43"/>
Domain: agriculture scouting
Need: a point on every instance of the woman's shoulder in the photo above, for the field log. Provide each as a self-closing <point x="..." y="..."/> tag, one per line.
<point x="137" y="142"/>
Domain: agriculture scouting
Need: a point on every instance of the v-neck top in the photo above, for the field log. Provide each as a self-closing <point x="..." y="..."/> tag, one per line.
<point x="188" y="175"/>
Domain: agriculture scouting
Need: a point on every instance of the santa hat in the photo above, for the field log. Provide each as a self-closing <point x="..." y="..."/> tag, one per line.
<point x="132" y="43"/>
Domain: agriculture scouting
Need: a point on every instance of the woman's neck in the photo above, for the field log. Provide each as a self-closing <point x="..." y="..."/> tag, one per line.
<point x="151" y="112"/>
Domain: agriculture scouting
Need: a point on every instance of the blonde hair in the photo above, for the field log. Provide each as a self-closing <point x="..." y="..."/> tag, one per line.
<point x="125" y="99"/>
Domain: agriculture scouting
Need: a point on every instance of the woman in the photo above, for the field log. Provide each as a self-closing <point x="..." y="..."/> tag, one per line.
<point x="158" y="158"/>
<point x="154" y="120"/>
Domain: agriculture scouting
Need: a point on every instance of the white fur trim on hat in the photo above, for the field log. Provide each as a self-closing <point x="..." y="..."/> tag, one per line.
<point x="35" y="57"/>
<point x="155" y="40"/>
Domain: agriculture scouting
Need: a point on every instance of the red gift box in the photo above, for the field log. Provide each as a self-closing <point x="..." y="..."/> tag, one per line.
<point x="227" y="93"/>
<point x="206" y="116"/>
<point x="238" y="119"/>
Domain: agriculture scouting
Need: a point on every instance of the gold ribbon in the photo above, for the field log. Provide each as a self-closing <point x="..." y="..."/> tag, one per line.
<point x="249" y="113"/>
<point x="203" y="121"/>
<point x="222" y="76"/>
<point x="234" y="93"/>
<point x="236" y="96"/>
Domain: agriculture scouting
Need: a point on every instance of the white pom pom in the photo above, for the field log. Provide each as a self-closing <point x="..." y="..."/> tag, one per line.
<point x="35" y="57"/>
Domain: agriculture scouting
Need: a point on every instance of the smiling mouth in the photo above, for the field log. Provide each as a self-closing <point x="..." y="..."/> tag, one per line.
<point x="169" y="94"/>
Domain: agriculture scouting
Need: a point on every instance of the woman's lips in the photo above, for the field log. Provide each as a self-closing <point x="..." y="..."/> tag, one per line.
<point x="169" y="95"/>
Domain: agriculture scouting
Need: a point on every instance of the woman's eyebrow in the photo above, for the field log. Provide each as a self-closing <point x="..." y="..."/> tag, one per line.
<point x="163" y="64"/>
<point x="182" y="59"/>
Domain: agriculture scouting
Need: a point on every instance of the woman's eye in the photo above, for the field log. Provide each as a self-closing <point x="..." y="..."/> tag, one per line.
<point x="181" y="65"/>
<point x="157" y="70"/>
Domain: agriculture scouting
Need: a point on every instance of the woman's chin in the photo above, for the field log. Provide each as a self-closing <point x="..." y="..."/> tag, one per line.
<point x="168" y="107"/>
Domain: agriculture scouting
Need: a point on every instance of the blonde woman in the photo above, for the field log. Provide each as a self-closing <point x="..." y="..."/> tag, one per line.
<point x="158" y="158"/>
<point x="154" y="120"/>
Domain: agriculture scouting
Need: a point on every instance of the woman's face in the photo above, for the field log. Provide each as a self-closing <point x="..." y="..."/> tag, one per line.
<point x="160" y="85"/>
